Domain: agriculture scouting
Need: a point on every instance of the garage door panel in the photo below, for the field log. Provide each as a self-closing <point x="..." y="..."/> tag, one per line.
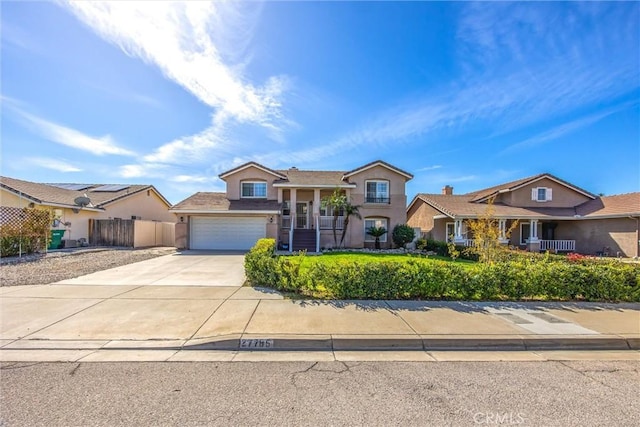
<point x="230" y="233"/>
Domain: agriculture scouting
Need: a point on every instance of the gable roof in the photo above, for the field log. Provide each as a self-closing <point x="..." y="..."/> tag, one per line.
<point x="464" y="206"/>
<point x="247" y="165"/>
<point x="373" y="164"/>
<point x="55" y="195"/>
<point x="618" y="205"/>
<point x="302" y="178"/>
<point x="487" y="193"/>
<point x="214" y="202"/>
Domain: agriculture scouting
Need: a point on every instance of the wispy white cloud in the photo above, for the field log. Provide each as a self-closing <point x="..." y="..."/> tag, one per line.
<point x="561" y="130"/>
<point x="429" y="168"/>
<point x="99" y="146"/>
<point x="187" y="41"/>
<point x="146" y="170"/>
<point x="53" y="164"/>
<point x="195" y="178"/>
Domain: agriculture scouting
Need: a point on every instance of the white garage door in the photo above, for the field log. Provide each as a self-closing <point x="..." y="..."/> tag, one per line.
<point x="230" y="233"/>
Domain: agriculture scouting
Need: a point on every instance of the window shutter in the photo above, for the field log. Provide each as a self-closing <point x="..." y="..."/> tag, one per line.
<point x="549" y="194"/>
<point x="534" y="194"/>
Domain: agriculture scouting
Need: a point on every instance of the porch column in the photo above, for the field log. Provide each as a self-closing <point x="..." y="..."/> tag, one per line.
<point x="316" y="202"/>
<point x="533" y="233"/>
<point x="534" y="243"/>
<point x="293" y="197"/>
<point x="280" y="196"/>
<point x="347" y="192"/>
<point x="458" y="231"/>
<point x="502" y="227"/>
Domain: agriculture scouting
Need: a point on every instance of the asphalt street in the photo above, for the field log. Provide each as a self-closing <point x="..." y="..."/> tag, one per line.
<point x="566" y="393"/>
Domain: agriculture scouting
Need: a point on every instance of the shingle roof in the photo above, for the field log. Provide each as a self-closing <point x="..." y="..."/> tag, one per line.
<point x="303" y="177"/>
<point x="382" y="163"/>
<point x="210" y="201"/>
<point x="48" y="193"/>
<point x="509" y="186"/>
<point x="620" y="204"/>
<point x="464" y="206"/>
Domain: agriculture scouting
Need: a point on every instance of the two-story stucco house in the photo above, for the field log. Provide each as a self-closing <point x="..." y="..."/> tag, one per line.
<point x="286" y="205"/>
<point x="552" y="215"/>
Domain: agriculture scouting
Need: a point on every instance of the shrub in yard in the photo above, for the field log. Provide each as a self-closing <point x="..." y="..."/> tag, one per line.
<point x="537" y="277"/>
<point x="402" y="234"/>
<point x="27" y="233"/>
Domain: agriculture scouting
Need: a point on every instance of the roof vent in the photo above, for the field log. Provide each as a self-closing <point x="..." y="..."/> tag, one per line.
<point x="293" y="168"/>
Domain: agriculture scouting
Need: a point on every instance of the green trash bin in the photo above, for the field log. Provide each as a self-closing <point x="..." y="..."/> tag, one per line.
<point x="56" y="239"/>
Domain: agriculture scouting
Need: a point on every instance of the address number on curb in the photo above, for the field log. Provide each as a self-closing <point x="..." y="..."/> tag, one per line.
<point x="256" y="343"/>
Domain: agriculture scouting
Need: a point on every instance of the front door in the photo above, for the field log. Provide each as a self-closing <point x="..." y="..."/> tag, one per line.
<point x="302" y="214"/>
<point x="548" y="230"/>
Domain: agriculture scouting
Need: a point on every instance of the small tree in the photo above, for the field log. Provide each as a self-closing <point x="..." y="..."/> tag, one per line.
<point x="336" y="202"/>
<point x="377" y="232"/>
<point x="402" y="234"/>
<point x="486" y="234"/>
<point x="349" y="211"/>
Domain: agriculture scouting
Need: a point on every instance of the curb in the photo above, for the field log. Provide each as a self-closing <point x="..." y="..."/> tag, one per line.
<point x="359" y="343"/>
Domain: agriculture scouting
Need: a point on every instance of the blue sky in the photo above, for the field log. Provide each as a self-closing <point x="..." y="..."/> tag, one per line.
<point x="466" y="94"/>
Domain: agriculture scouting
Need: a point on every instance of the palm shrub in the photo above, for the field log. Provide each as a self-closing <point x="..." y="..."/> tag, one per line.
<point x="377" y="233"/>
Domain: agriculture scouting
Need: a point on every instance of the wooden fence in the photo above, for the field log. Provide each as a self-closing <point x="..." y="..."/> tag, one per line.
<point x="131" y="233"/>
<point x="111" y="232"/>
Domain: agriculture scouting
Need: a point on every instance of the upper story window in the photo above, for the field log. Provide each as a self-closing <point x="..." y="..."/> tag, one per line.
<point x="541" y="194"/>
<point x="254" y="190"/>
<point x="377" y="192"/>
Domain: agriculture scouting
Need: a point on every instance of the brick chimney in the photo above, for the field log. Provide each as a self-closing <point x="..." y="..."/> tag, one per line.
<point x="447" y="190"/>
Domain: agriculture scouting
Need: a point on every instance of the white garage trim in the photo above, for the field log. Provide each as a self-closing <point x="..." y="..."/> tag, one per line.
<point x="226" y="233"/>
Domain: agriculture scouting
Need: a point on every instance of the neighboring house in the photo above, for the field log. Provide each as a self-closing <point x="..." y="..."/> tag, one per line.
<point x="552" y="214"/>
<point x="73" y="205"/>
<point x="286" y="205"/>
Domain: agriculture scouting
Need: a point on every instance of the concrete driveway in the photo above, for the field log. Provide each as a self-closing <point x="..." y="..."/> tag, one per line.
<point x="188" y="268"/>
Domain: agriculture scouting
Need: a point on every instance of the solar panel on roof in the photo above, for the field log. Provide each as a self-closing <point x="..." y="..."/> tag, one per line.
<point x="111" y="187"/>
<point x="74" y="187"/>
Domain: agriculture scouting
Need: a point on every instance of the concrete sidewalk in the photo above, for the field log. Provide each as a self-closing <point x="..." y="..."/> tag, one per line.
<point x="164" y="322"/>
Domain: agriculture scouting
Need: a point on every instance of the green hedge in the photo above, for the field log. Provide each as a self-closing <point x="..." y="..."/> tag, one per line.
<point x="520" y="279"/>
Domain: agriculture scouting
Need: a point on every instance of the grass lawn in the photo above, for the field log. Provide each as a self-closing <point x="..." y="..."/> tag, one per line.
<point x="368" y="257"/>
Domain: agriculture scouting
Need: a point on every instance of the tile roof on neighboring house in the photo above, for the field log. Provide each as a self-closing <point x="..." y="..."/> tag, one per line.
<point x="470" y="204"/>
<point x="54" y="193"/>
<point x="463" y="206"/>
<point x="619" y="204"/>
<point x="218" y="202"/>
<point x="513" y="185"/>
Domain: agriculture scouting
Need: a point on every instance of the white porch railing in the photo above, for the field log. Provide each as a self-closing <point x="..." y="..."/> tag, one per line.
<point x="326" y="223"/>
<point x="462" y="242"/>
<point x="558" y="245"/>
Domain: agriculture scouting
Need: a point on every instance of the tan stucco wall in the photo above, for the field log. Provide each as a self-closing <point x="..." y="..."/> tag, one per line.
<point x="182" y="235"/>
<point x="591" y="236"/>
<point x="145" y="204"/>
<point x="562" y="196"/>
<point x="149" y="207"/>
<point x="420" y="215"/>
<point x="250" y="174"/>
<point x="395" y="212"/>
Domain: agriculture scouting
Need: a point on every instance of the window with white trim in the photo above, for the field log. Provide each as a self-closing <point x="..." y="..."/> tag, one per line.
<point x="541" y="194"/>
<point x="328" y="211"/>
<point x="254" y="190"/>
<point x="377" y="192"/>
<point x="375" y="222"/>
